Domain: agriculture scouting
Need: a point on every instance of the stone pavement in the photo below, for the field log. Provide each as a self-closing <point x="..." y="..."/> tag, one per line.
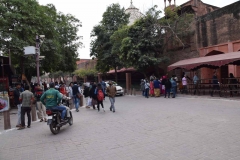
<point x="184" y="128"/>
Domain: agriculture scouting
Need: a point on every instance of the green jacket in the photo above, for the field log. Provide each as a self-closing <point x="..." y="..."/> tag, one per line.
<point x="51" y="98"/>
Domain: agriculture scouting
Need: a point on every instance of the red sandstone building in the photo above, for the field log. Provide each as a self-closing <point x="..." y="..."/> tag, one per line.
<point x="216" y="32"/>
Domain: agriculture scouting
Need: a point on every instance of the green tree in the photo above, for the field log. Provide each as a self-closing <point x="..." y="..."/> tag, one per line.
<point x="82" y="73"/>
<point x="20" y="21"/>
<point x="101" y="46"/>
<point x="147" y="38"/>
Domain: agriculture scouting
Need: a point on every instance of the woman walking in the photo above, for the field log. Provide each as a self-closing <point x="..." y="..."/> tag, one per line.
<point x="93" y="96"/>
<point x="86" y="94"/>
<point x="100" y="96"/>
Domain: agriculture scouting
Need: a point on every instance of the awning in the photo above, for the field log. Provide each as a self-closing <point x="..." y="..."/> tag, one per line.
<point x="208" y="61"/>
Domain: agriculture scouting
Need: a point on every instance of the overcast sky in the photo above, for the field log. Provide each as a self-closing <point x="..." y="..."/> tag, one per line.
<point x="89" y="12"/>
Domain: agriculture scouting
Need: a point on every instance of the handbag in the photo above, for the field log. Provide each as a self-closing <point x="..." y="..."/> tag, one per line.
<point x="79" y="95"/>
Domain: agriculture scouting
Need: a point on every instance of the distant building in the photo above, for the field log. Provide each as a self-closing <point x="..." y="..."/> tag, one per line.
<point x="86" y="64"/>
<point x="134" y="12"/>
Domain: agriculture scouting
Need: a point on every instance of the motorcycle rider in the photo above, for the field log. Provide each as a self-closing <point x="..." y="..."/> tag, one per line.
<point x="62" y="105"/>
<point x="51" y="99"/>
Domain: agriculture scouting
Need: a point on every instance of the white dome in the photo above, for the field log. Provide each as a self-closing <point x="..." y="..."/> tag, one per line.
<point x="134" y="13"/>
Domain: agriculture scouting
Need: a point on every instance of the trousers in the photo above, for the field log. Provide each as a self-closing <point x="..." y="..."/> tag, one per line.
<point x="42" y="110"/>
<point x="19" y="114"/>
<point x="23" y="111"/>
<point x="112" y="100"/>
<point x="76" y="101"/>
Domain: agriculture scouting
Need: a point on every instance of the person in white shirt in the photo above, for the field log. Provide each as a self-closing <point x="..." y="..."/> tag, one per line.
<point x="147" y="86"/>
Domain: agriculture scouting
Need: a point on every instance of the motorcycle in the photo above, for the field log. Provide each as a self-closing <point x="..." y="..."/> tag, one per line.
<point x="55" y="123"/>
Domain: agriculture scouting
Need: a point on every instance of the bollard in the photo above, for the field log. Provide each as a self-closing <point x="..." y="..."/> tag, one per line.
<point x="71" y="104"/>
<point x="34" y="117"/>
<point x="81" y="101"/>
<point x="7" y="124"/>
<point x="134" y="92"/>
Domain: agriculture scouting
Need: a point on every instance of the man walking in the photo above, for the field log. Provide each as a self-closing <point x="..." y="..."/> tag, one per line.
<point x="168" y="86"/>
<point x="40" y="106"/>
<point x="17" y="102"/>
<point x="76" y="91"/>
<point x="215" y="84"/>
<point x="195" y="82"/>
<point x="184" y="83"/>
<point x="27" y="98"/>
<point x="111" y="92"/>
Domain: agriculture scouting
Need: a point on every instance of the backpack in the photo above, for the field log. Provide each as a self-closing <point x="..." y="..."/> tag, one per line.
<point x="100" y="95"/>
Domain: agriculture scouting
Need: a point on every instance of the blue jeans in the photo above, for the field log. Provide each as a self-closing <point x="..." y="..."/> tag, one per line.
<point x="147" y="92"/>
<point x="19" y="114"/>
<point x="167" y="92"/>
<point x="61" y="108"/>
<point x="112" y="101"/>
<point x="76" y="101"/>
<point x="143" y="93"/>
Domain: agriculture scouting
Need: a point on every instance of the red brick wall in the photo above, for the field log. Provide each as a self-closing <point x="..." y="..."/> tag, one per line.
<point x="219" y="26"/>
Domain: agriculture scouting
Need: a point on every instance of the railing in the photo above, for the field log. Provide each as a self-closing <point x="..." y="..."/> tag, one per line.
<point x="205" y="87"/>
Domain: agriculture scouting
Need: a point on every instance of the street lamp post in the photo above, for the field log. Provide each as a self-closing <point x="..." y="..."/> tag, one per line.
<point x="39" y="40"/>
<point x="9" y="56"/>
<point x="37" y="56"/>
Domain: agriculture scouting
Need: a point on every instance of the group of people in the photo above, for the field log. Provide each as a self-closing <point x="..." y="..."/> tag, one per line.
<point x="155" y="87"/>
<point x="94" y="94"/>
<point x="51" y="98"/>
<point x="165" y="86"/>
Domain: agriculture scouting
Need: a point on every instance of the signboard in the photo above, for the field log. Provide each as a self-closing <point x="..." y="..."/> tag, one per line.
<point x="15" y="78"/>
<point x="29" y="50"/>
<point x="4" y="84"/>
<point x="4" y="104"/>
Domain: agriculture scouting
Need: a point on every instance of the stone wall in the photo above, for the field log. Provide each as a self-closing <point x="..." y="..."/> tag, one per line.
<point x="219" y="26"/>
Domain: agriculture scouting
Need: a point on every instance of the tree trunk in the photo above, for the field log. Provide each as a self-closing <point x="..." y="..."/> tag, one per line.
<point x="116" y="76"/>
<point x="156" y="71"/>
<point x="145" y="75"/>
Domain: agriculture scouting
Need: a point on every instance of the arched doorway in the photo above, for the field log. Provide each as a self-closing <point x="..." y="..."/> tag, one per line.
<point x="222" y="72"/>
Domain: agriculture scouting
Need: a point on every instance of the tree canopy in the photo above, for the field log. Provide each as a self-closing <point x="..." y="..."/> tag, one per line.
<point x="21" y="21"/>
<point x="101" y="46"/>
<point x="142" y="44"/>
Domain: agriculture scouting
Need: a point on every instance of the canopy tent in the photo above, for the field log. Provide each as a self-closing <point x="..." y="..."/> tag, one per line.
<point x="208" y="61"/>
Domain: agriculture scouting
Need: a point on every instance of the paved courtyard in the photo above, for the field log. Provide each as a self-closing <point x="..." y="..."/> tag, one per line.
<point x="141" y="129"/>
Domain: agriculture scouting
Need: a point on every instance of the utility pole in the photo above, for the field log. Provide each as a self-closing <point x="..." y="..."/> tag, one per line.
<point x="37" y="57"/>
<point x="9" y="56"/>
